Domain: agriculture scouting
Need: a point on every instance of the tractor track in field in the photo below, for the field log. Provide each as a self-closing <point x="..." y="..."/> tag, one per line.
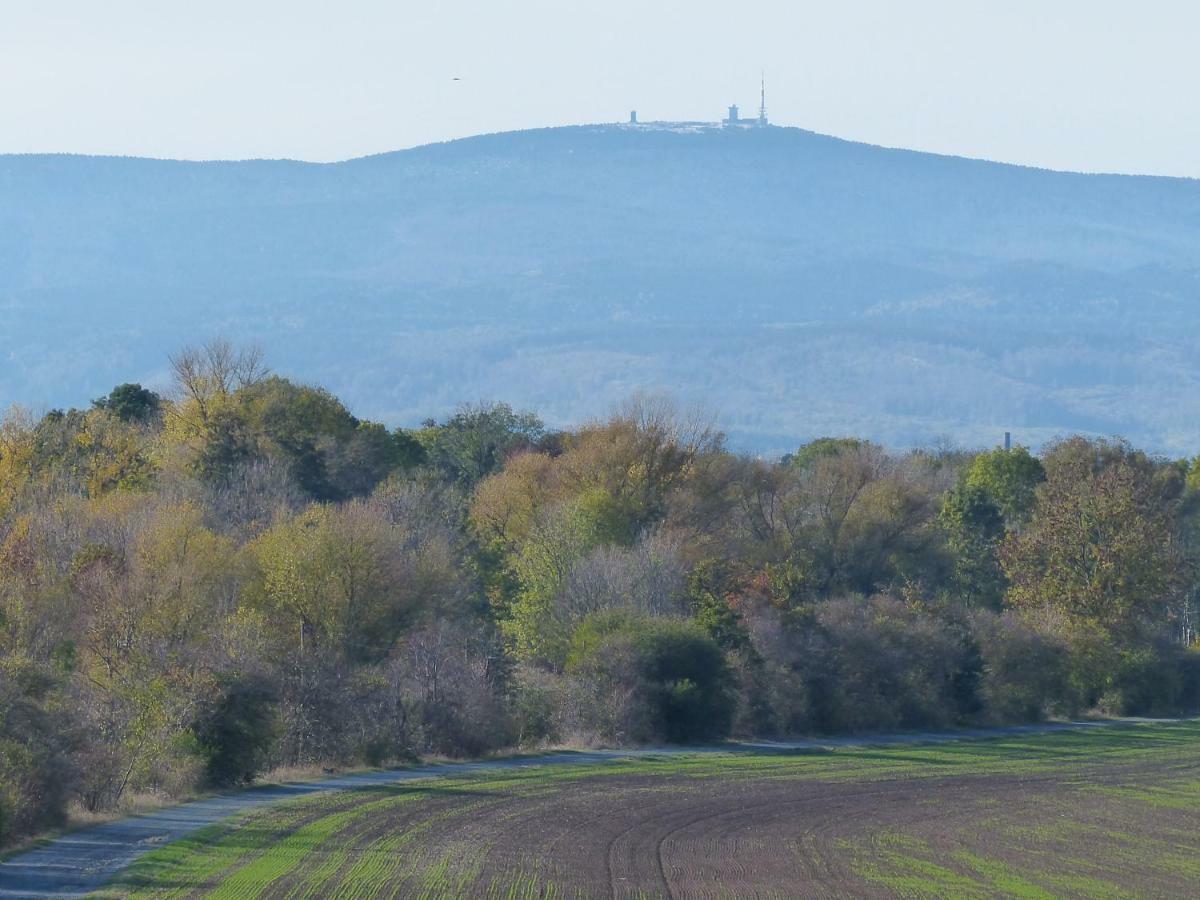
<point x="611" y="855"/>
<point x="83" y="861"/>
<point x="736" y="841"/>
<point x="698" y="837"/>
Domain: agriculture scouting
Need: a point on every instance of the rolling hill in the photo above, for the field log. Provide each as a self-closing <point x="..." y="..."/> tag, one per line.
<point x="794" y="284"/>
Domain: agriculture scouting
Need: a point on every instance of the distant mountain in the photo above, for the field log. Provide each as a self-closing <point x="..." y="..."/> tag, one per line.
<point x="795" y="284"/>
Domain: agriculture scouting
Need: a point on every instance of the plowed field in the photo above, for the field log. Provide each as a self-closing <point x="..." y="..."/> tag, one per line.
<point x="1106" y="813"/>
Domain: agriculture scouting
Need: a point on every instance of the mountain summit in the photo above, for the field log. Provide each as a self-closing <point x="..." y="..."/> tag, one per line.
<point x="795" y="284"/>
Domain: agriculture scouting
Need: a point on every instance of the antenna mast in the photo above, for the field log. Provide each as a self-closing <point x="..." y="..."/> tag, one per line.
<point x="762" y="102"/>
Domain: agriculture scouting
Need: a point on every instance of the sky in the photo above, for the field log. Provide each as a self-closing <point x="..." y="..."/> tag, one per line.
<point x="1086" y="85"/>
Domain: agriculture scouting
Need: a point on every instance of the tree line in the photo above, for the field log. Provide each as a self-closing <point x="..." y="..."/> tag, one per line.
<point x="195" y="589"/>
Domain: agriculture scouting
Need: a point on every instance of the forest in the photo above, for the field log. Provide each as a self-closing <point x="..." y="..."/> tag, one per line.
<point x="239" y="575"/>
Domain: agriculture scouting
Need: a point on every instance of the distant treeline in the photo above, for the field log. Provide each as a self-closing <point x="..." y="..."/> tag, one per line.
<point x="196" y="589"/>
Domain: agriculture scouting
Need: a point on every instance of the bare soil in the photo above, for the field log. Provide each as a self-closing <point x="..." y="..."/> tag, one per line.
<point x="687" y="837"/>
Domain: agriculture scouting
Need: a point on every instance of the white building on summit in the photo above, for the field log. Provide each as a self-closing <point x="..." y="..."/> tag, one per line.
<point x="733" y="120"/>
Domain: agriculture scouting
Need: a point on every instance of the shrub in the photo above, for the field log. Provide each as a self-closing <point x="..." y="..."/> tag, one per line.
<point x="239" y="733"/>
<point x="650" y="678"/>
<point x="537" y="698"/>
<point x="857" y="664"/>
<point x="1024" y="670"/>
<point x="36" y="773"/>
<point x="448" y="676"/>
<point x="873" y="686"/>
<point x="890" y="665"/>
<point x="1154" y="680"/>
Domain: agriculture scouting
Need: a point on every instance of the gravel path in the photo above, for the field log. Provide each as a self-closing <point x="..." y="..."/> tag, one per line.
<point x="83" y="861"/>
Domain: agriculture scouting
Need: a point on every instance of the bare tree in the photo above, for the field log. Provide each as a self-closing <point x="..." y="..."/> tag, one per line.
<point x="215" y="370"/>
<point x="649" y="577"/>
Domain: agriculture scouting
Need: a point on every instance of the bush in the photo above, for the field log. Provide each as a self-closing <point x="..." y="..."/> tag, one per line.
<point x="239" y="733"/>
<point x="1152" y="681"/>
<point x="894" y="666"/>
<point x="537" y="698"/>
<point x="650" y="679"/>
<point x="1024" y="670"/>
<point x="857" y="664"/>
<point x="447" y="675"/>
<point x="36" y="773"/>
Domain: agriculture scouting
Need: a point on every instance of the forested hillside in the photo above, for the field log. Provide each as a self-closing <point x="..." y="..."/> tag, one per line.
<point x="240" y="574"/>
<point x="800" y="285"/>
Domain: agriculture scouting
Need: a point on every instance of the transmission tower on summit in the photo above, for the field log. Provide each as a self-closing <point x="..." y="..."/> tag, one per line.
<point x="735" y="121"/>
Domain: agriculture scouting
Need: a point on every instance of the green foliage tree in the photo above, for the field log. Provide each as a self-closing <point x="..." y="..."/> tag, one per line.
<point x="1010" y="479"/>
<point x="226" y="444"/>
<point x="1193" y="475"/>
<point x="331" y="454"/>
<point x="537" y="627"/>
<point x="708" y="593"/>
<point x="353" y="577"/>
<point x="995" y="494"/>
<point x="475" y="441"/>
<point x="974" y="528"/>
<point x="1098" y="547"/>
<point x="409" y="452"/>
<point x="130" y="403"/>
<point x="821" y="448"/>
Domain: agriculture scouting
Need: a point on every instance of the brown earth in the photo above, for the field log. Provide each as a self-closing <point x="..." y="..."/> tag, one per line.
<point x="632" y="836"/>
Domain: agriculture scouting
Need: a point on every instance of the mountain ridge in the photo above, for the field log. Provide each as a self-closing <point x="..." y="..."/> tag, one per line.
<point x="530" y="266"/>
<point x="642" y="126"/>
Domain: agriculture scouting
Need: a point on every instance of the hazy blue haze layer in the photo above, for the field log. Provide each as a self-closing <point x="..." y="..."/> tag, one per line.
<point x="795" y="284"/>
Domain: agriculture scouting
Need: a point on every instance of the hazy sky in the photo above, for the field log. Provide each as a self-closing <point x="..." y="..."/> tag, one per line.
<point x="1075" y="84"/>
